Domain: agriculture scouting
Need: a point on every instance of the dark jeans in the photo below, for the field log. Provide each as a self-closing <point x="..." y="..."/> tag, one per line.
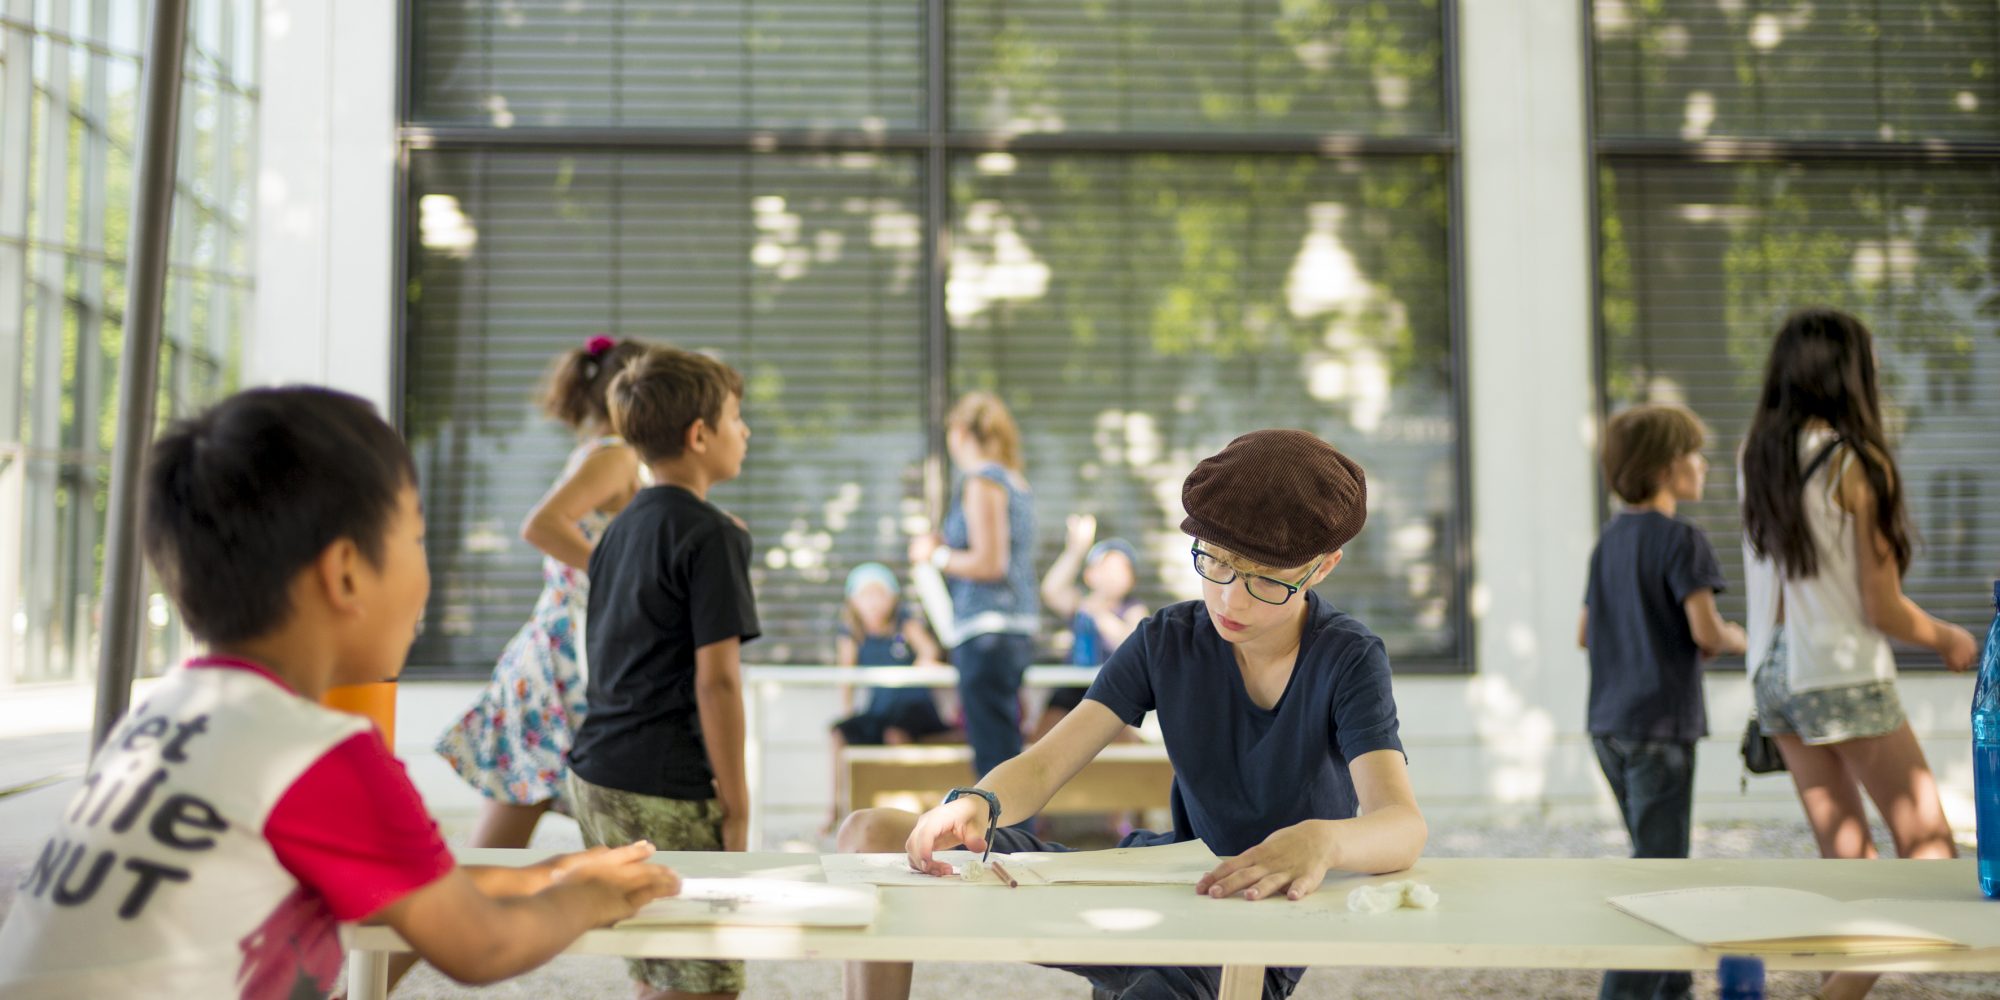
<point x="990" y="668"/>
<point x="1654" y="784"/>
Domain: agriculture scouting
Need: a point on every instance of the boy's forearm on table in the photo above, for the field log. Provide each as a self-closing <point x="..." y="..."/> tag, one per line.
<point x="1389" y="839"/>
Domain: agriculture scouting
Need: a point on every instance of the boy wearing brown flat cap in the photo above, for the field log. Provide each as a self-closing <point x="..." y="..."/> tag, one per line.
<point x="1276" y="710"/>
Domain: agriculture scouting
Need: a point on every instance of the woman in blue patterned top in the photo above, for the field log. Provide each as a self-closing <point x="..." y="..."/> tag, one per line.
<point x="986" y="554"/>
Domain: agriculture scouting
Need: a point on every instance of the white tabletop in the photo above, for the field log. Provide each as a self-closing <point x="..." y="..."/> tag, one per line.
<point x="1493" y="914"/>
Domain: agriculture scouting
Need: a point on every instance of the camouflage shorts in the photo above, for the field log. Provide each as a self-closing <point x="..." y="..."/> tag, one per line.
<point x="1825" y="715"/>
<point x="610" y="818"/>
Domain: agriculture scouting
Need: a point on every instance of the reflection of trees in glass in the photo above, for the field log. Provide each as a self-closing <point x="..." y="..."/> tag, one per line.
<point x="851" y="64"/>
<point x="1140" y="311"/>
<point x="800" y="270"/>
<point x="1176" y="65"/>
<point x="1868" y="69"/>
<point x="1701" y="262"/>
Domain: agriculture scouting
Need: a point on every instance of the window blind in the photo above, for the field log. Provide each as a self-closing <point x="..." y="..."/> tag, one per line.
<point x="1702" y="262"/>
<point x="853" y="64"/>
<point x="1283" y="66"/>
<point x="1137" y="309"/>
<point x="1140" y="312"/>
<point x="800" y="271"/>
<point x="1830" y="69"/>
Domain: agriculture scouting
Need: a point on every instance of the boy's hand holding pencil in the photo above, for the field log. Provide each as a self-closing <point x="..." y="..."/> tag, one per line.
<point x="960" y="821"/>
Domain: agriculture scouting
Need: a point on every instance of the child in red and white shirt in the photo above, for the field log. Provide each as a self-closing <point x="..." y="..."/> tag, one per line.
<point x="230" y="823"/>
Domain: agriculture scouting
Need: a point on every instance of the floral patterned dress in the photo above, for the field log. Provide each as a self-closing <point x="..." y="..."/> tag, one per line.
<point x="513" y="743"/>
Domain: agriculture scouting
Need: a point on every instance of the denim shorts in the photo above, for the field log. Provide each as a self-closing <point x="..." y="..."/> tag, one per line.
<point x="1825" y="715"/>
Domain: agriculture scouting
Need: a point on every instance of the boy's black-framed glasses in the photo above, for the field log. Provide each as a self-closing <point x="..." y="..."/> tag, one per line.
<point x="1270" y="590"/>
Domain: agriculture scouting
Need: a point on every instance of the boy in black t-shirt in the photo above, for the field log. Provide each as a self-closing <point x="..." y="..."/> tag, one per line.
<point x="1649" y="618"/>
<point x="660" y="754"/>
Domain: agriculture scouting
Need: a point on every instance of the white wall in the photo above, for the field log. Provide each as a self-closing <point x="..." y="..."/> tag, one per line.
<point x="326" y="196"/>
<point x="1509" y="739"/>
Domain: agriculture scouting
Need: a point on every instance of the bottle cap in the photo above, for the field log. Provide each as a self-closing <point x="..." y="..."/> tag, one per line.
<point x="1737" y="972"/>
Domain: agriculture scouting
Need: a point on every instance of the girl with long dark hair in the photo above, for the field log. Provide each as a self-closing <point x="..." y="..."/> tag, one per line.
<point x="1826" y="544"/>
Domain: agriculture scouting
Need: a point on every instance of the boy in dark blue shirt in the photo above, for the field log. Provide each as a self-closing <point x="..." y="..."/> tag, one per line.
<point x="1276" y="709"/>
<point x="1649" y="618"/>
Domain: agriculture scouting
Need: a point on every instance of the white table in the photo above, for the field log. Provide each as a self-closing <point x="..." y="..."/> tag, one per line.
<point x="763" y="683"/>
<point x="1493" y="914"/>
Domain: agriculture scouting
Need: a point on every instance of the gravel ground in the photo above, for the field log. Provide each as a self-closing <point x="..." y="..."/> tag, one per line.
<point x="595" y="978"/>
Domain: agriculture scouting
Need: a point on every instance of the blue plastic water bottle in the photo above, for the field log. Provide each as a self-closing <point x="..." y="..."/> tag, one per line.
<point x="1986" y="756"/>
<point x="1741" y="977"/>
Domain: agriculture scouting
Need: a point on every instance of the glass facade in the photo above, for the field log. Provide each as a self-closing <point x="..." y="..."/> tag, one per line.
<point x="70" y="74"/>
<point x="1757" y="157"/>
<point x="1148" y="227"/>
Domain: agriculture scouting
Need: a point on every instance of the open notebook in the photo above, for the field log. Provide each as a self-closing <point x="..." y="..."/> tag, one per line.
<point x="1174" y="864"/>
<point x="761" y="902"/>
<point x="1749" y="918"/>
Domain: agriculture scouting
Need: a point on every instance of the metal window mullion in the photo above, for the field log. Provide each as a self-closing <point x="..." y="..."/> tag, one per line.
<point x="89" y="472"/>
<point x="937" y="250"/>
<point x="39" y="514"/>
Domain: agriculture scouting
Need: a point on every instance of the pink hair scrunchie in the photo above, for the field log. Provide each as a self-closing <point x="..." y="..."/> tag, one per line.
<point x="597" y="345"/>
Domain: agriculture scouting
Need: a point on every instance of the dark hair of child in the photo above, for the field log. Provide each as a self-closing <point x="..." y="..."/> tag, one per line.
<point x="662" y="392"/>
<point x="574" y="391"/>
<point x="241" y="497"/>
<point x="1822" y="368"/>
<point x="1641" y="444"/>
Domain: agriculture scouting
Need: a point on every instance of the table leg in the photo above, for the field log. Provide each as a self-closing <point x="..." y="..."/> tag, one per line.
<point x="368" y="975"/>
<point x="1242" y="982"/>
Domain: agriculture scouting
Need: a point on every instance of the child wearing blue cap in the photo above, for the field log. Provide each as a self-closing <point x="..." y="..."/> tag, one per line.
<point x="878" y="631"/>
<point x="1101" y="614"/>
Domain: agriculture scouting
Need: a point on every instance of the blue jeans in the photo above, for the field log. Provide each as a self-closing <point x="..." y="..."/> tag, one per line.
<point x="990" y="668"/>
<point x="1654" y="784"/>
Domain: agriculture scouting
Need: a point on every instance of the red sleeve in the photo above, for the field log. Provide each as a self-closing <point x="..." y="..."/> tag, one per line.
<point x="354" y="830"/>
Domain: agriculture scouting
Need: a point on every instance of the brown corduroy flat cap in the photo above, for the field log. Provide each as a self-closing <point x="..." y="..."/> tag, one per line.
<point x="1278" y="497"/>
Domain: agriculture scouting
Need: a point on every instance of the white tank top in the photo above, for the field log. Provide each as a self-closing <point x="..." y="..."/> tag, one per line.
<point x="1828" y="640"/>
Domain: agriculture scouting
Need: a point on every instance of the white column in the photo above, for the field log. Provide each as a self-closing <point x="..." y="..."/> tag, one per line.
<point x="1526" y="234"/>
<point x="326" y="189"/>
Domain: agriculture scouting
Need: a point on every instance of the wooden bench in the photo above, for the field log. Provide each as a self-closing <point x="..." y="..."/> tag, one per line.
<point x="1125" y="777"/>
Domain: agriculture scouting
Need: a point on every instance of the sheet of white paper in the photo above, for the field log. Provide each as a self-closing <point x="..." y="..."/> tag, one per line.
<point x="761" y="902"/>
<point x="1747" y="917"/>
<point x="1175" y="864"/>
<point x="894" y="869"/>
<point x="1975" y="923"/>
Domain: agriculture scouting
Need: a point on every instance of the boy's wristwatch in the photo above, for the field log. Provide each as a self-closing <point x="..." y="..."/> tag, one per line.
<point x="992" y="812"/>
<point x="941" y="558"/>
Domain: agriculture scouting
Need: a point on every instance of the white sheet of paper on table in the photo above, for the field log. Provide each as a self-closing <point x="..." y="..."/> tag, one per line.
<point x="1175" y="864"/>
<point x="761" y="902"/>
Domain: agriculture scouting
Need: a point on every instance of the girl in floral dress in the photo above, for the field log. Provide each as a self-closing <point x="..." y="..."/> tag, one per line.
<point x="512" y="743"/>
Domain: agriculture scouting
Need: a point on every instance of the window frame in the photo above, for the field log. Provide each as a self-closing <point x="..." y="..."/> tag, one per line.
<point x="1723" y="153"/>
<point x="939" y="145"/>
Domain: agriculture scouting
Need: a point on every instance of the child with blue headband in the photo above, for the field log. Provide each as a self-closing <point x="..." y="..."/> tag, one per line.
<point x="877" y="630"/>
<point x="1101" y="614"/>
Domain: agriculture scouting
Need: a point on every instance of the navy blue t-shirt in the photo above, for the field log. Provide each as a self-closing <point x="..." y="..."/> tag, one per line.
<point x="1242" y="772"/>
<point x="1645" y="669"/>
